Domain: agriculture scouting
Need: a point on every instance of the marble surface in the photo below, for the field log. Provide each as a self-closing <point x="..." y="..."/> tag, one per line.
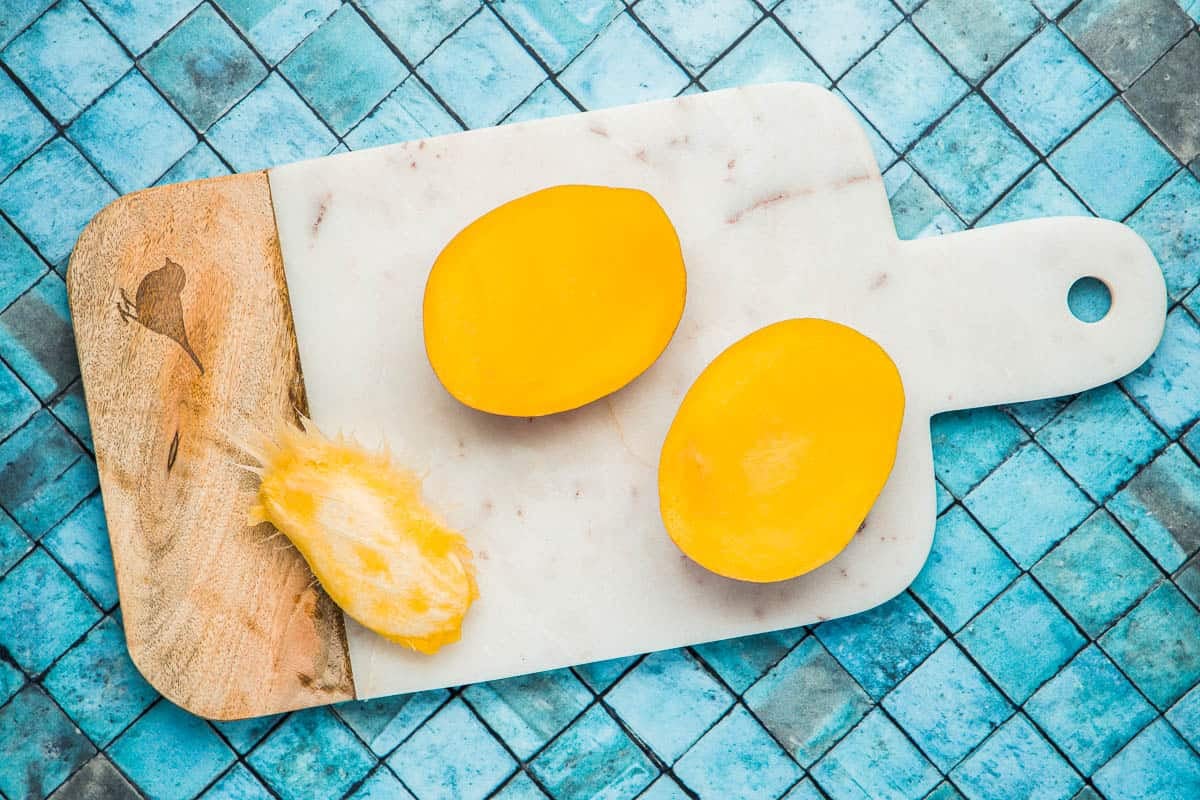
<point x="781" y="212"/>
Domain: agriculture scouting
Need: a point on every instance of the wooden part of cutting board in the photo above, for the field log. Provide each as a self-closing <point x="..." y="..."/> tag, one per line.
<point x="186" y="347"/>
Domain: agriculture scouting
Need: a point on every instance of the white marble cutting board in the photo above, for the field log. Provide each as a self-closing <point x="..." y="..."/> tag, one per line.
<point x="781" y="212"/>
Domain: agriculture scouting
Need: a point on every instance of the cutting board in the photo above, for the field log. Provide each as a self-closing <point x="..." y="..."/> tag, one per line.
<point x="204" y="311"/>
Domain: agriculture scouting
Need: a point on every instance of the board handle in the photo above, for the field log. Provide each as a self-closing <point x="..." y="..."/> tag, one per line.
<point x="1005" y="332"/>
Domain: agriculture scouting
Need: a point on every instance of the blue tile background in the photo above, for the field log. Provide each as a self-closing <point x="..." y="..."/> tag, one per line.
<point x="1049" y="649"/>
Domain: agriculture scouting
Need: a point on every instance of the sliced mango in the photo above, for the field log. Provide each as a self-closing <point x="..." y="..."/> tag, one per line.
<point x="359" y="522"/>
<point x="554" y="299"/>
<point x="779" y="450"/>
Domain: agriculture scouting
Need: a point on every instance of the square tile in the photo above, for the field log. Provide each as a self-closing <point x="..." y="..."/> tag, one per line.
<point x="917" y="211"/>
<point x="44" y="473"/>
<point x="97" y="779"/>
<point x="1192" y="7"/>
<point x="1124" y="37"/>
<point x="903" y="86"/>
<point x="1184" y="716"/>
<point x="17" y="403"/>
<point x="547" y="100"/>
<point x="11" y="680"/>
<point x="271" y="126"/>
<point x="1112" y="162"/>
<point x="804" y="790"/>
<point x="1016" y="761"/>
<point x="1039" y="194"/>
<point x="736" y="759"/>
<point x="199" y="162"/>
<point x="971" y="157"/>
<point x="14" y="544"/>
<point x="1166" y="99"/>
<point x="410" y="112"/>
<point x="623" y="65"/>
<point x="23" y="128"/>
<point x="1157" y="645"/>
<point x="875" y="761"/>
<point x="166" y="734"/>
<point x="767" y="54"/>
<point x="1102" y="439"/>
<point x="419" y="26"/>
<point x="343" y="69"/>
<point x="98" y="686"/>
<point x="20" y="267"/>
<point x="838" y="35"/>
<point x="70" y="410"/>
<point x="529" y="710"/>
<point x="42" y="612"/>
<point x="1157" y="765"/>
<point x="1090" y="710"/>
<point x="141" y="23"/>
<point x="52" y="196"/>
<point x="80" y="543"/>
<point x="522" y="787"/>
<point x="947" y="706"/>
<point x="1048" y="88"/>
<point x="274" y="27"/>
<point x="697" y="31"/>
<point x="36" y="339"/>
<point x="1096" y="573"/>
<point x="1170" y="224"/>
<point x="132" y="134"/>
<point x="944" y="791"/>
<point x="885" y="156"/>
<point x="16" y="15"/>
<point x="452" y="756"/>
<point x="1021" y="639"/>
<point x="237" y="784"/>
<point x="1188" y="580"/>
<point x="975" y="38"/>
<point x="558" y="30"/>
<point x="782" y="702"/>
<point x="1161" y="508"/>
<point x="964" y="571"/>
<point x="1051" y="504"/>
<point x="386" y="721"/>
<point x="1036" y="413"/>
<point x="743" y="660"/>
<point x="600" y="675"/>
<point x="881" y="646"/>
<point x="243" y="734"/>
<point x="45" y="746"/>
<point x="64" y="76"/>
<point x="967" y="445"/>
<point x="1167" y="386"/>
<point x="311" y="754"/>
<point x="668" y="700"/>
<point x="505" y="72"/>
<point x="203" y="67"/>
<point x="663" y="789"/>
<point x="592" y="758"/>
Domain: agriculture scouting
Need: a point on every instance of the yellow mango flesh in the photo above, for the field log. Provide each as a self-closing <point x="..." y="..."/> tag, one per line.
<point x="554" y="299"/>
<point x="359" y="522"/>
<point x="779" y="450"/>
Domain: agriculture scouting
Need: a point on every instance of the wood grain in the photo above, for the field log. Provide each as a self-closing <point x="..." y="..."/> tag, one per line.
<point x="186" y="347"/>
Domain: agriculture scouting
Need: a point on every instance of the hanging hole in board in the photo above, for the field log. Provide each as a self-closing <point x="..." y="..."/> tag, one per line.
<point x="1089" y="299"/>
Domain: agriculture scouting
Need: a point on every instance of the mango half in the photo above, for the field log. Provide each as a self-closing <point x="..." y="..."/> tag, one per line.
<point x="554" y="299"/>
<point x="779" y="450"/>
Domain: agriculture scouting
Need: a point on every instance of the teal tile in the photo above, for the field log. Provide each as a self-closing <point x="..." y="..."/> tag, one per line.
<point x="14" y="544"/>
<point x="386" y="721"/>
<point x="1039" y="194"/>
<point x="697" y="31"/>
<point x="838" y="35"/>
<point x="64" y="76"/>
<point x="1164" y="623"/>
<point x="44" y="474"/>
<point x="782" y="702"/>
<point x="875" y="762"/>
<point x="885" y="156"/>
<point x="976" y="37"/>
<point x="1124" y="37"/>
<point x="199" y="162"/>
<point x="452" y="756"/>
<point x="917" y="211"/>
<point x="971" y="157"/>
<point x="275" y="27"/>
<point x="16" y="15"/>
<point x="558" y="30"/>
<point x="804" y="790"/>
<point x="1167" y="386"/>
<point x="141" y="23"/>
<point x="1184" y="716"/>
<point x="312" y="754"/>
<point x="23" y="128"/>
<point x="36" y="339"/>
<point x="42" y="612"/>
<point x="1036" y="413"/>
<point x="69" y="409"/>
<point x="42" y="747"/>
<point x="80" y="544"/>
<point x="166" y="734"/>
<point x="343" y="69"/>
<point x="1161" y="508"/>
<point x="743" y="660"/>
<point x="410" y="112"/>
<point x="766" y="55"/>
<point x="547" y="100"/>
<point x="237" y="784"/>
<point x="522" y="787"/>
<point x="1170" y="224"/>
<point x="736" y="760"/>
<point x="1096" y="573"/>
<point x="98" y="686"/>
<point x="271" y="126"/>
<point x="20" y="267"/>
<point x="624" y="65"/>
<point x="418" y="26"/>
<point x="1048" y="89"/>
<point x="593" y="758"/>
<point x="968" y="445"/>
<point x="17" y="403"/>
<point x="1089" y="710"/>
<point x="903" y="86"/>
<point x="1016" y="761"/>
<point x="1157" y="765"/>
<point x="1021" y="640"/>
<point x="600" y="675"/>
<point x="529" y="710"/>
<point x="203" y="67"/>
<point x="663" y="789"/>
